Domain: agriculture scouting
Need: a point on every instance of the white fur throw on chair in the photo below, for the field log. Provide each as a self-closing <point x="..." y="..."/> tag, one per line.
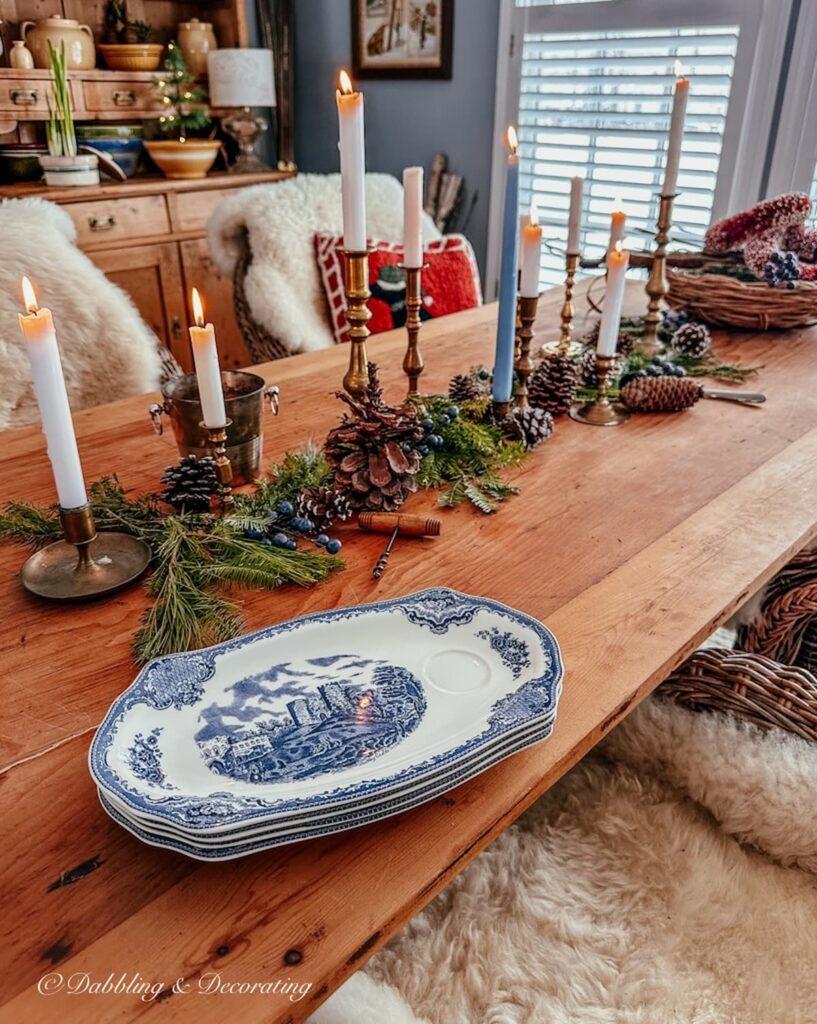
<point x="107" y="351"/>
<point x="283" y="285"/>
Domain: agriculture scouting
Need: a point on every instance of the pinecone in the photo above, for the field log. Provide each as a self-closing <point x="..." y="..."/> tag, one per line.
<point x="588" y="377"/>
<point x="660" y="394"/>
<point x="552" y="385"/>
<point x="324" y="506"/>
<point x="529" y="425"/>
<point x="692" y="339"/>
<point x="190" y="484"/>
<point x="374" y="451"/>
<point x="628" y="336"/>
<point x="463" y="388"/>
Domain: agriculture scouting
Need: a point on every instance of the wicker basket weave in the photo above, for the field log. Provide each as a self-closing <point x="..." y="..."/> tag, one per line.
<point x="727" y="302"/>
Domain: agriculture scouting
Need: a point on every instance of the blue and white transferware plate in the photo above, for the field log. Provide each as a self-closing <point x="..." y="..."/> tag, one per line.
<point x="229" y="849"/>
<point x="327" y="712"/>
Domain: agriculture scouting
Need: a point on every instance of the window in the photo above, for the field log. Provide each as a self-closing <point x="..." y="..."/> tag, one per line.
<point x="589" y="85"/>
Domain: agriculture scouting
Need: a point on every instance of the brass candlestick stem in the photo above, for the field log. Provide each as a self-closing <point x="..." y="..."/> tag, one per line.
<point x="571" y="266"/>
<point x="657" y="285"/>
<point x="413" y="363"/>
<point x="84" y="564"/>
<point x="216" y="442"/>
<point x="524" y="363"/>
<point x="600" y="412"/>
<point x="358" y="314"/>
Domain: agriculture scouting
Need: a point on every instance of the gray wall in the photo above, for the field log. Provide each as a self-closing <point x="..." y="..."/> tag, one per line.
<point x="407" y="121"/>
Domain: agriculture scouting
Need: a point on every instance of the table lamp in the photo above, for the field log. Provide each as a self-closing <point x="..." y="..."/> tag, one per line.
<point x="242" y="79"/>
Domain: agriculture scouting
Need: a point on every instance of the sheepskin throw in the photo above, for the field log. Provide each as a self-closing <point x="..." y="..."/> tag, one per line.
<point x="107" y="351"/>
<point x="283" y="284"/>
<point x="670" y="878"/>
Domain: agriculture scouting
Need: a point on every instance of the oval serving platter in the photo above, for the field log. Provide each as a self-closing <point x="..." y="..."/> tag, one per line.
<point x="324" y="712"/>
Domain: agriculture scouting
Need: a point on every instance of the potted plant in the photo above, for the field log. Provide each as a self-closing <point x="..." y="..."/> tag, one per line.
<point x="64" y="165"/>
<point x="184" y="112"/>
<point x="127" y="45"/>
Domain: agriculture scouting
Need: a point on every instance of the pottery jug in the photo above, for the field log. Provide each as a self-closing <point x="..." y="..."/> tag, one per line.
<point x="80" y="53"/>
<point x="20" y="56"/>
<point x="196" y="39"/>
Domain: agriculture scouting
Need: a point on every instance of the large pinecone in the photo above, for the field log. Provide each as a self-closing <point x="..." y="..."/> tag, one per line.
<point x="529" y="425"/>
<point x="374" y="451"/>
<point x="552" y="385"/>
<point x="324" y="506"/>
<point x="692" y="339"/>
<point x="190" y="484"/>
<point x="660" y="394"/>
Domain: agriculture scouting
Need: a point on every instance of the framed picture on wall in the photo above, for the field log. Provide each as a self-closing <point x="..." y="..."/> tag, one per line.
<point x="402" y="38"/>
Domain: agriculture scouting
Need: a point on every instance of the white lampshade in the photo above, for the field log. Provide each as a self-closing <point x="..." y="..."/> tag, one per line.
<point x="241" y="78"/>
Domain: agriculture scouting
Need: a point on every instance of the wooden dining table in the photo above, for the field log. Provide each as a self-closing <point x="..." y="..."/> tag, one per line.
<point x="631" y="543"/>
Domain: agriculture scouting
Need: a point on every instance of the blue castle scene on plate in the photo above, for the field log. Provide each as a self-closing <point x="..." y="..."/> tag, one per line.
<point x="325" y="715"/>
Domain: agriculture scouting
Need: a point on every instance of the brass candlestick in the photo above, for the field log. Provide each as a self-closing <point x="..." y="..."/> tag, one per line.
<point x="571" y="265"/>
<point x="358" y="314"/>
<point x="216" y="442"/>
<point x="524" y="363"/>
<point x="84" y="564"/>
<point x="413" y="363"/>
<point x="657" y="285"/>
<point x="601" y="412"/>
<point x="500" y="410"/>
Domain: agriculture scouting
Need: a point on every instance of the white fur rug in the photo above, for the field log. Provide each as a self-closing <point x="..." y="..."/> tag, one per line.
<point x="668" y="879"/>
<point x="107" y="351"/>
<point x="283" y="284"/>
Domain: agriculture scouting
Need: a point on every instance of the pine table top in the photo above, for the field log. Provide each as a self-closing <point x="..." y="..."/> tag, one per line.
<point x="632" y="544"/>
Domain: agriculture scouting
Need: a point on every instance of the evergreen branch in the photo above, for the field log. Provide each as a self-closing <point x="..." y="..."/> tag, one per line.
<point x="27" y="523"/>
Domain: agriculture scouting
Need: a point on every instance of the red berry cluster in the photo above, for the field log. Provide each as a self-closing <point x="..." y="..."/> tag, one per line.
<point x="766" y="235"/>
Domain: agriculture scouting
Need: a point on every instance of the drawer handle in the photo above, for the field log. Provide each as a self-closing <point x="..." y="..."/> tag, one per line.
<point x="24" y="97"/>
<point x="102" y="223"/>
<point x="124" y="97"/>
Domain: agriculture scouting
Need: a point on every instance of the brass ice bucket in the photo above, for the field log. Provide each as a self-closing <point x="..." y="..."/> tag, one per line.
<point x="244" y="395"/>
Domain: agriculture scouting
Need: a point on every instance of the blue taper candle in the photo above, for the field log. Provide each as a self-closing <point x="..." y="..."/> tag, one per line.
<point x="506" y="322"/>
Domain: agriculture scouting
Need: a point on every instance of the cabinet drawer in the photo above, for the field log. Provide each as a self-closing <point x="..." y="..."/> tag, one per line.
<point x="191" y="210"/>
<point x="119" y="95"/>
<point x="108" y="220"/>
<point x="26" y="95"/>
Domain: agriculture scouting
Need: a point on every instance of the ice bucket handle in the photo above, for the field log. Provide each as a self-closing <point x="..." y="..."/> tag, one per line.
<point x="271" y="394"/>
<point x="155" y="412"/>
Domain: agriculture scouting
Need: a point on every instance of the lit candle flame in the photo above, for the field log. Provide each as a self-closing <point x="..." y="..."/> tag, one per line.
<point x="618" y="247"/>
<point x="678" y="69"/>
<point x="513" y="141"/>
<point x="618" y="205"/>
<point x="534" y="212"/>
<point x="29" y="296"/>
<point x="345" y="83"/>
<point x="198" y="309"/>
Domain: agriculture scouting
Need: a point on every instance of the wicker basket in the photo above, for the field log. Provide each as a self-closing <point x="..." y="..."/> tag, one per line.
<point x="727" y="302"/>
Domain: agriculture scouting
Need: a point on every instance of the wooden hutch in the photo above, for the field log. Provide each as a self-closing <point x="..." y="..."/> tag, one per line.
<point x="146" y="234"/>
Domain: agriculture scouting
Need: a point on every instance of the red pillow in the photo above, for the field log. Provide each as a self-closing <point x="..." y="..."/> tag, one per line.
<point x="450" y="281"/>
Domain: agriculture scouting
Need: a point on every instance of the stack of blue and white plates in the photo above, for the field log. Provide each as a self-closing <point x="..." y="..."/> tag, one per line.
<point x="323" y="723"/>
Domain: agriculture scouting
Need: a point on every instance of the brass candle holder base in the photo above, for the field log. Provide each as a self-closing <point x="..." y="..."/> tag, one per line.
<point x="85" y="564"/>
<point x="600" y="412"/>
<point x="216" y="442"/>
<point x="358" y="315"/>
<point x="524" y="364"/>
<point x="657" y="285"/>
<point x="413" y="362"/>
<point x="571" y="266"/>
<point x="500" y="410"/>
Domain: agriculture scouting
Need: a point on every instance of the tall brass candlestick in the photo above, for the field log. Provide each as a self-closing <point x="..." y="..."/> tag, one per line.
<point x="358" y="315"/>
<point x="413" y="363"/>
<point x="657" y="285"/>
<point x="571" y="265"/>
<point x="600" y="412"/>
<point x="217" y="440"/>
<point x="524" y="363"/>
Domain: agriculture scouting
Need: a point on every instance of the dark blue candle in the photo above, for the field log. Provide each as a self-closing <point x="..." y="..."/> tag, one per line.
<point x="506" y="322"/>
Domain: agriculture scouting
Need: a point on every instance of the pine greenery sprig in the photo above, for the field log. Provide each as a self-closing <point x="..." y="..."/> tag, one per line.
<point x="297" y="472"/>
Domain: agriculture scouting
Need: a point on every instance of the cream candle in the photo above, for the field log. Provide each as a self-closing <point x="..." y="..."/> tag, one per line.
<point x="676" y="132"/>
<point x="208" y="373"/>
<point x="530" y="251"/>
<point x="618" y="225"/>
<point x="352" y="164"/>
<point x="574" y="221"/>
<point x="617" y="262"/>
<point x="37" y="327"/>
<point x="412" y="217"/>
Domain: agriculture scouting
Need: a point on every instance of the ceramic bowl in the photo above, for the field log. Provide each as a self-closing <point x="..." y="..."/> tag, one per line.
<point x="90" y="132"/>
<point x="20" y="162"/>
<point x="192" y="158"/>
<point x="132" y="56"/>
<point x="123" y="152"/>
<point x="82" y="169"/>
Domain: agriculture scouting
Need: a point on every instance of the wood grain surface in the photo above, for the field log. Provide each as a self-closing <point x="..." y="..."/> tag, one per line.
<point x="630" y="543"/>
